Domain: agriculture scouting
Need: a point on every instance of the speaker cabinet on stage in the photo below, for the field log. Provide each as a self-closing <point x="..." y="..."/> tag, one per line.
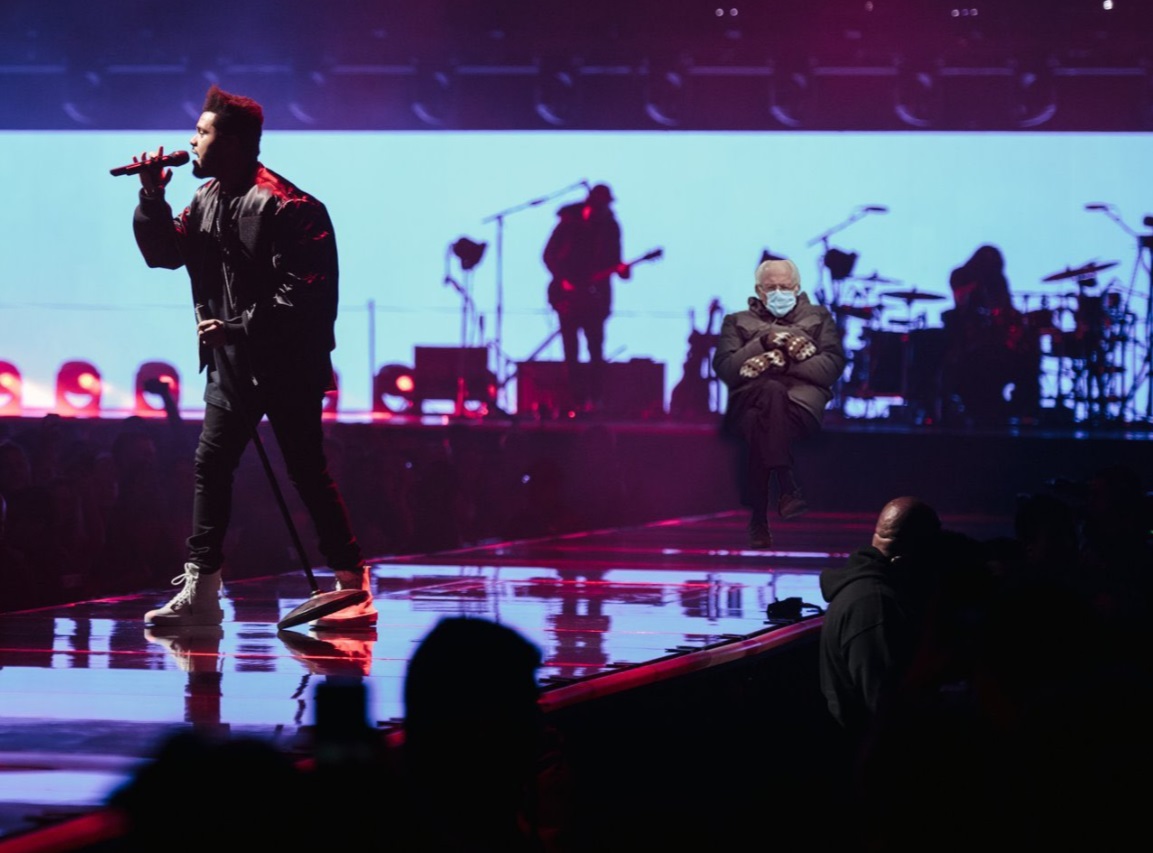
<point x="632" y="389"/>
<point x="436" y="371"/>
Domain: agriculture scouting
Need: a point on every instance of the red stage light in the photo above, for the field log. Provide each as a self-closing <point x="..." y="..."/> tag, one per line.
<point x="11" y="389"/>
<point x="157" y="390"/>
<point x="332" y="399"/>
<point x="78" y="389"/>
<point x="392" y="389"/>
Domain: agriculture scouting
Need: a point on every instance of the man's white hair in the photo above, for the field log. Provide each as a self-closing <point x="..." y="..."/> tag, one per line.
<point x="794" y="271"/>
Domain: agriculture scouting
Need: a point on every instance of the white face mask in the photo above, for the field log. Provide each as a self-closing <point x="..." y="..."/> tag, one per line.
<point x="781" y="302"/>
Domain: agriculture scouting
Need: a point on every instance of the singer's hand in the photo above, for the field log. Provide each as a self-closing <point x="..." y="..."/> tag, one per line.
<point x="211" y="333"/>
<point x="153" y="180"/>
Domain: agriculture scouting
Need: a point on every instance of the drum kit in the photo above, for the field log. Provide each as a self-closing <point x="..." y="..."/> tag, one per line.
<point x="900" y="356"/>
<point x="1089" y="338"/>
<point x="1080" y="337"/>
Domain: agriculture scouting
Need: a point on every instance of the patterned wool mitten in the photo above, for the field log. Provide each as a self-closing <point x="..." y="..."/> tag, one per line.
<point x="799" y="347"/>
<point x="773" y="360"/>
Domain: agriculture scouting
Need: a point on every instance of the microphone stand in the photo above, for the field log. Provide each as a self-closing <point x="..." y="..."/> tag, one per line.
<point x="823" y="239"/>
<point x="499" y="218"/>
<point x="318" y="603"/>
<point x="834" y="290"/>
<point x="467" y="312"/>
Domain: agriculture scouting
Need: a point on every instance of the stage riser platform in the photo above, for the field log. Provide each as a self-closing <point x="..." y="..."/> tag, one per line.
<point x="416" y="487"/>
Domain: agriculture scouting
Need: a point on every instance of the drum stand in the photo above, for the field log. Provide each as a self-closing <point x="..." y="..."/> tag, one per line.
<point x="1144" y="374"/>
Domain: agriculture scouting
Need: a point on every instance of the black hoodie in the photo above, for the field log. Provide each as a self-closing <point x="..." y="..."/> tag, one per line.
<point x="869" y="634"/>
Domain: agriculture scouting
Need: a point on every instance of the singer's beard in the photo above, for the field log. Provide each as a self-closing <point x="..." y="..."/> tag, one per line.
<point x="198" y="172"/>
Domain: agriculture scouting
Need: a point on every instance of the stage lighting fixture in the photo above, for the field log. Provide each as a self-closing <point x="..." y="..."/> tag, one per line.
<point x="331" y="405"/>
<point x="157" y="390"/>
<point x="393" y="389"/>
<point x="792" y="98"/>
<point x="840" y="264"/>
<point x="918" y="98"/>
<point x="468" y="252"/>
<point x="78" y="389"/>
<point x="665" y="94"/>
<point x="555" y="96"/>
<point x="11" y="389"/>
<point x="433" y="96"/>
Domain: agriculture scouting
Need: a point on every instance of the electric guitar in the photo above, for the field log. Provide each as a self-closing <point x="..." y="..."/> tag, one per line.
<point x="690" y="397"/>
<point x="593" y="293"/>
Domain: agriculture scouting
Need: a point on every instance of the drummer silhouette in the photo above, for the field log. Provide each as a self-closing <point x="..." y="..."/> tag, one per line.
<point x="992" y="365"/>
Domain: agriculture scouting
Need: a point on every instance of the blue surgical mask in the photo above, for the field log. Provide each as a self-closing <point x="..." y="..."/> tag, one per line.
<point x="781" y="302"/>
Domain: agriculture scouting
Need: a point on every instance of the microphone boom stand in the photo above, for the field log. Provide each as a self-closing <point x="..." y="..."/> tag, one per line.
<point x="499" y="218"/>
<point x="318" y="603"/>
<point x="834" y="290"/>
<point x="467" y="313"/>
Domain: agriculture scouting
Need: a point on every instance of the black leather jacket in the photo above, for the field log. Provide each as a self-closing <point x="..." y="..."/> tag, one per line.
<point x="264" y="261"/>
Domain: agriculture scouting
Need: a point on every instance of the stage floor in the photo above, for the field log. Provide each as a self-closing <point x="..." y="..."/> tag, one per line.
<point x="87" y="692"/>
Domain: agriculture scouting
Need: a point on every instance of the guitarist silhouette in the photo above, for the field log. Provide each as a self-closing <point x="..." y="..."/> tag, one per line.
<point x="583" y="253"/>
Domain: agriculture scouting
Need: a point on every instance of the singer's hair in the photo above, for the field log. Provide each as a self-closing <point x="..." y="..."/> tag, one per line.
<point x="236" y="116"/>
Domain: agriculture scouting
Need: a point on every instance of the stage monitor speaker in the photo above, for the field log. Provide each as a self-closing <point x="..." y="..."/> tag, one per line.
<point x="436" y="371"/>
<point x="633" y="390"/>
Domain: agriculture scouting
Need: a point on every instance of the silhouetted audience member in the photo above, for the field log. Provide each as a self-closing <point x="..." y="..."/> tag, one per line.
<point x="1031" y="737"/>
<point x="1046" y="531"/>
<point x="21" y="588"/>
<point x="143" y="540"/>
<point x="238" y="793"/>
<point x="1117" y="552"/>
<point x="15" y="468"/>
<point x="41" y="527"/>
<point x="877" y="601"/>
<point x="18" y="585"/>
<point x="472" y="737"/>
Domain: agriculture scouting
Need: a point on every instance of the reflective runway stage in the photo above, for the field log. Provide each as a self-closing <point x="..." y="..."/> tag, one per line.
<point x="87" y="692"/>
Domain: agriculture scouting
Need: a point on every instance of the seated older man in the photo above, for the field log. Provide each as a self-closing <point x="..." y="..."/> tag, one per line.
<point x="779" y="358"/>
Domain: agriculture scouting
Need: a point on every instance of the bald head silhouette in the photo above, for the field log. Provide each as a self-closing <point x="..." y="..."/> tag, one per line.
<point x="906" y="527"/>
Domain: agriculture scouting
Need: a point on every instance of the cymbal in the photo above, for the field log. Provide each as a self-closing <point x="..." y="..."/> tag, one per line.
<point x="911" y="296"/>
<point x="862" y="312"/>
<point x="1086" y="271"/>
<point x="876" y="278"/>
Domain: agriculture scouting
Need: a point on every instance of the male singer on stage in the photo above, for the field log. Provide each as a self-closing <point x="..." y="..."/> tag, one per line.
<point x="779" y="359"/>
<point x="261" y="256"/>
<point x="583" y="253"/>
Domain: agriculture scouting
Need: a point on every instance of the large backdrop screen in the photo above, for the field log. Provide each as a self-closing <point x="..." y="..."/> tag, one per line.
<point x="74" y="286"/>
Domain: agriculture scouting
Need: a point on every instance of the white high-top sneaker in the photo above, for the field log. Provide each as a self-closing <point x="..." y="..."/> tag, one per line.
<point x="358" y="617"/>
<point x="198" y="603"/>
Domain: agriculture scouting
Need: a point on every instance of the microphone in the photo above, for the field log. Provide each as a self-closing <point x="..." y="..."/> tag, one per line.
<point x="876" y="208"/>
<point x="175" y="158"/>
<point x="1096" y="207"/>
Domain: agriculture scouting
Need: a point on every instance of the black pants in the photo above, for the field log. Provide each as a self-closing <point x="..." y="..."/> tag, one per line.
<point x="767" y="422"/>
<point x="586" y="382"/>
<point x="296" y="423"/>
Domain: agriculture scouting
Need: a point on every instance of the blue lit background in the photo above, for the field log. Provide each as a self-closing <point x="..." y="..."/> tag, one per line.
<point x="74" y="286"/>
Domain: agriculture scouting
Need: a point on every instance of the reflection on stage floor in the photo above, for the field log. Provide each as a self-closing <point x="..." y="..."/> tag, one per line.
<point x="87" y="692"/>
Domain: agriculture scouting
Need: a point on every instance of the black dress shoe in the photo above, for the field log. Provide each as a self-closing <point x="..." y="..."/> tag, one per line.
<point x="792" y="504"/>
<point x="759" y="535"/>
